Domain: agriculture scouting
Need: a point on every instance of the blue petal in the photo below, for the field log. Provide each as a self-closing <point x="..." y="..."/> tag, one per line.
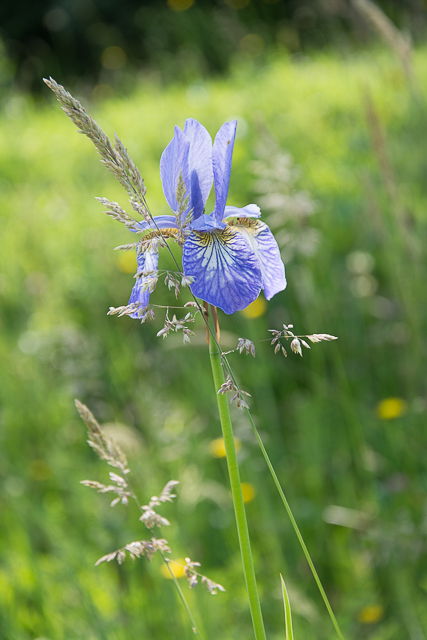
<point x="222" y="154"/>
<point x="250" y="211"/>
<point x="207" y="223"/>
<point x="162" y="222"/>
<point x="259" y="237"/>
<point x="226" y="270"/>
<point x="173" y="161"/>
<point x="147" y="261"/>
<point x="200" y="165"/>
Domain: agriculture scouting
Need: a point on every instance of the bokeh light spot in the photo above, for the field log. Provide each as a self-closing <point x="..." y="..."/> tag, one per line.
<point x="56" y="19"/>
<point x="371" y="614"/>
<point x="248" y="491"/>
<point x="40" y="470"/>
<point x="217" y="447"/>
<point x="391" y="408"/>
<point x="180" y="5"/>
<point x="252" y="44"/>
<point x="256" y="309"/>
<point x="237" y="4"/>
<point x="113" y="58"/>
<point x="102" y="92"/>
<point x="127" y="262"/>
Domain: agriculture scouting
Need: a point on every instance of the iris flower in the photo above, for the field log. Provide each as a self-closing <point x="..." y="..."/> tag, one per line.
<point x="230" y="253"/>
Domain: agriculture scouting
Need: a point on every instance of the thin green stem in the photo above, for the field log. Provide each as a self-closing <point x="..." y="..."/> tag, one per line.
<point x="294" y="524"/>
<point x="175" y="581"/>
<point x="182" y="598"/>
<point x="236" y="491"/>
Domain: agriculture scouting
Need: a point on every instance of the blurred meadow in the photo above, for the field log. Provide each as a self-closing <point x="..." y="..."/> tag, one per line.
<point x="332" y="147"/>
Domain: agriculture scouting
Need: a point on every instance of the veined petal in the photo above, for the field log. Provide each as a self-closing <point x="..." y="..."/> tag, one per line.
<point x="226" y="270"/>
<point x="200" y="165"/>
<point x="147" y="261"/>
<point x="222" y="155"/>
<point x="250" y="211"/>
<point x="207" y="223"/>
<point x="259" y="237"/>
<point x="161" y="222"/>
<point x="173" y="161"/>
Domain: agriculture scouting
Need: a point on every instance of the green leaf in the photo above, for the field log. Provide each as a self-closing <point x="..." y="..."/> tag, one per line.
<point x="288" y="615"/>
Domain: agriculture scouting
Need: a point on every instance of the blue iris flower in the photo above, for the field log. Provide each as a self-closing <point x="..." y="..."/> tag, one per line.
<point x="230" y="253"/>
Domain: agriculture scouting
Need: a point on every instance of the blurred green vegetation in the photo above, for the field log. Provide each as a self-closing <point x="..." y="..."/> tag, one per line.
<point x="86" y="42"/>
<point x="354" y="470"/>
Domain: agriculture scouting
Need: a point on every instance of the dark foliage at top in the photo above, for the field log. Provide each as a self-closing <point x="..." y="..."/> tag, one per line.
<point x="105" y="41"/>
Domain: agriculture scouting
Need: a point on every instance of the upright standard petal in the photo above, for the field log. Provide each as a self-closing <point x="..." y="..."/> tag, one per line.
<point x="199" y="164"/>
<point x="173" y="161"/>
<point x="226" y="270"/>
<point x="250" y="211"/>
<point x="147" y="261"/>
<point x="222" y="155"/>
<point x="259" y="237"/>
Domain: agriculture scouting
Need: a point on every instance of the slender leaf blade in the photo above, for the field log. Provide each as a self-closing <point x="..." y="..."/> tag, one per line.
<point x="288" y="615"/>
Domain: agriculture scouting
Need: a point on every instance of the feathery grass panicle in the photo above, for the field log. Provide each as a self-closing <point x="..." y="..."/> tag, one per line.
<point x="136" y="549"/>
<point x="296" y="341"/>
<point x="130" y="167"/>
<point x="104" y="447"/>
<point x="182" y="199"/>
<point x="116" y="159"/>
<point x="109" y="451"/>
<point x="115" y="211"/>
<point x="144" y="314"/>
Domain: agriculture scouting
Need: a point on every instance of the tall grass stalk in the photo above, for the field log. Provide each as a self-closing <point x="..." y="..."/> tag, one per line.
<point x="294" y="524"/>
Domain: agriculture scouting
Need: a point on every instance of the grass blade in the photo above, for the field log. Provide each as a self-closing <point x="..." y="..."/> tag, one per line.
<point x="288" y="615"/>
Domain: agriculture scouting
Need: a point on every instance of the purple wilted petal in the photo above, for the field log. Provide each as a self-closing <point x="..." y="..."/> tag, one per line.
<point x="173" y="161"/>
<point x="222" y="154"/>
<point x="226" y="270"/>
<point x="147" y="261"/>
<point x="250" y="211"/>
<point x="259" y="237"/>
<point x="200" y="165"/>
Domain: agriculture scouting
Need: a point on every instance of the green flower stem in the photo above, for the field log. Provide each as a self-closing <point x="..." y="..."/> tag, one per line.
<point x="236" y="491"/>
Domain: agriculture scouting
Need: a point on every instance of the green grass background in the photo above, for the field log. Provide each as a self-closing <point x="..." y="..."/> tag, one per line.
<point x="58" y="277"/>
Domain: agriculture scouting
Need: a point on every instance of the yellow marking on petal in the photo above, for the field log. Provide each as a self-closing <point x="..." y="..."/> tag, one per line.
<point x="177" y="570"/>
<point x="217" y="447"/>
<point x="165" y="233"/>
<point x="391" y="408"/>
<point x="206" y="238"/>
<point x="126" y="262"/>
<point x="371" y="614"/>
<point x="248" y="491"/>
<point x="256" y="309"/>
<point x="248" y="223"/>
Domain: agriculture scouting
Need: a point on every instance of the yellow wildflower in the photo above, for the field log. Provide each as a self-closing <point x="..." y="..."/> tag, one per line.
<point x="217" y="447"/>
<point x="256" y="309"/>
<point x="248" y="491"/>
<point x="177" y="569"/>
<point x="127" y="262"/>
<point x="390" y="408"/>
<point x="371" y="614"/>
